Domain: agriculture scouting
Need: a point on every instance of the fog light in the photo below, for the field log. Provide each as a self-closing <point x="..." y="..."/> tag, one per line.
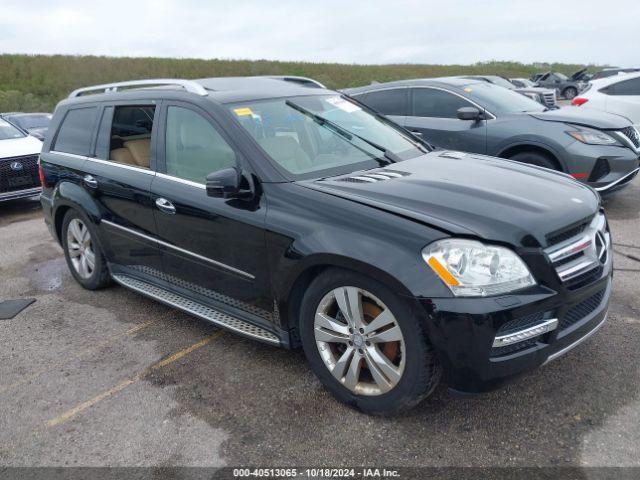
<point x="522" y="335"/>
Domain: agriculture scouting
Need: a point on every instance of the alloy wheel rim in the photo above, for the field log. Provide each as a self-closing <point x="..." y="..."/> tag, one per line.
<point x="80" y="248"/>
<point x="360" y="341"/>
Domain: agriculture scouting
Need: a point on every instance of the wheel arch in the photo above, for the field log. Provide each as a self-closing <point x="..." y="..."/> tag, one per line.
<point x="67" y="196"/>
<point x="514" y="149"/>
<point x="293" y="290"/>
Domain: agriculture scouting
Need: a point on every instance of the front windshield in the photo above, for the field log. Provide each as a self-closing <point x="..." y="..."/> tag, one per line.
<point x="501" y="101"/>
<point x="8" y="131"/>
<point x="502" y="82"/>
<point x="293" y="132"/>
<point x="33" y="121"/>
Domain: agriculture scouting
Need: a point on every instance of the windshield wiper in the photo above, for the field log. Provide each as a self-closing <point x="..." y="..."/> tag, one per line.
<point x="419" y="143"/>
<point x="343" y="132"/>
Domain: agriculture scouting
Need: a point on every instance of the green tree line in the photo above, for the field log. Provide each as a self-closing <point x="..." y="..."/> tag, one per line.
<point x="38" y="82"/>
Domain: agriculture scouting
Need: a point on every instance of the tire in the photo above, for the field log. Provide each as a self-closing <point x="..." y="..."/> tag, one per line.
<point x="570" y="93"/>
<point x="82" y="251"/>
<point x="535" y="158"/>
<point x="411" y="360"/>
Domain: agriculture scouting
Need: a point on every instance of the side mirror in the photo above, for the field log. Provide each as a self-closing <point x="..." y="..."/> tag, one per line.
<point x="224" y="183"/>
<point x="469" y="113"/>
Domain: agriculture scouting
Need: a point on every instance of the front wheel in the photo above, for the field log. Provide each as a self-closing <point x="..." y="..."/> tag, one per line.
<point x="570" y="93"/>
<point x="535" y="158"/>
<point x="365" y="344"/>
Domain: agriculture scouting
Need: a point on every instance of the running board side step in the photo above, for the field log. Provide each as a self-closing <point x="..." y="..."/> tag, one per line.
<point x="198" y="309"/>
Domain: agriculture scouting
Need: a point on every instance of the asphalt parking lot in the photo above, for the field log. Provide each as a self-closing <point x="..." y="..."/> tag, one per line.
<point x="111" y="378"/>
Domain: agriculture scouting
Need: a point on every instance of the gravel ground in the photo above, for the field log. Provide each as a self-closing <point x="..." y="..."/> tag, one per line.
<point x="111" y="378"/>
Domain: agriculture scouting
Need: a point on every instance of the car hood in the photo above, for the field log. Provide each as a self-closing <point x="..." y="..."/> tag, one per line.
<point x="585" y="117"/>
<point x="38" y="132"/>
<point x="15" y="147"/>
<point x="474" y="195"/>
<point x="577" y="75"/>
<point x="534" y="89"/>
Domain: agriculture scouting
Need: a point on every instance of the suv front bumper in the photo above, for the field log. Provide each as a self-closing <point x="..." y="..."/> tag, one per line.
<point x="16" y="194"/>
<point x="463" y="330"/>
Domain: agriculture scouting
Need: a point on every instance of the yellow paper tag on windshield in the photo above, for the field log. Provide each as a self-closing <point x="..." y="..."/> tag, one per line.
<point x="468" y="89"/>
<point x="243" y="111"/>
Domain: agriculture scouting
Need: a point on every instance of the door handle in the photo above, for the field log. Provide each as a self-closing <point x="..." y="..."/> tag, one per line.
<point x="165" y="205"/>
<point x="90" y="182"/>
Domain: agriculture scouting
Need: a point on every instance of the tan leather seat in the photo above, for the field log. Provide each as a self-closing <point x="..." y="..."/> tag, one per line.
<point x="122" y="155"/>
<point x="140" y="151"/>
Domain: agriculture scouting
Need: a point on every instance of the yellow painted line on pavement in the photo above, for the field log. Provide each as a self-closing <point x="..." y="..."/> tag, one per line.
<point x="79" y="354"/>
<point x="129" y="381"/>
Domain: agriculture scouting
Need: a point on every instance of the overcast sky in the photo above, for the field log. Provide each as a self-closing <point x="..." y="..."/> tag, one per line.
<point x="373" y="31"/>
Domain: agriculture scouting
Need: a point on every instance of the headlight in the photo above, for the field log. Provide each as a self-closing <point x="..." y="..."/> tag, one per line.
<point x="592" y="137"/>
<point x="472" y="269"/>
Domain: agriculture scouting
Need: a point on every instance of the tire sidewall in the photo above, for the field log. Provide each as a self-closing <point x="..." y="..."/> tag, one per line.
<point x="570" y="89"/>
<point x="97" y="277"/>
<point x="409" y="389"/>
<point x="534" y="158"/>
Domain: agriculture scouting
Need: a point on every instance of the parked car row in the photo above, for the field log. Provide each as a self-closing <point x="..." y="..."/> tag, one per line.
<point x="597" y="148"/>
<point x="545" y="96"/>
<point x="300" y="216"/>
<point x="567" y="87"/>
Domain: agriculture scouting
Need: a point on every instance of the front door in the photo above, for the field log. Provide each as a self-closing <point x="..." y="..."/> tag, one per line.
<point x="213" y="246"/>
<point x="434" y="114"/>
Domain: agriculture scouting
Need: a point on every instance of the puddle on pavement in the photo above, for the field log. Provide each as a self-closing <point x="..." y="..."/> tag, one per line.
<point x="47" y="276"/>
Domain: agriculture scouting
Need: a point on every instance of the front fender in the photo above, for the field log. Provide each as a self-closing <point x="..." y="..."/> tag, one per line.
<point x="555" y="149"/>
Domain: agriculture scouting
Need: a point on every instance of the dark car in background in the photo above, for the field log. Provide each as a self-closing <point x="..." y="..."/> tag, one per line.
<point x="594" y="147"/>
<point x="35" y="124"/>
<point x="610" y="72"/>
<point x="522" y="82"/>
<point x="294" y="216"/>
<point x="567" y="87"/>
<point x="545" y="96"/>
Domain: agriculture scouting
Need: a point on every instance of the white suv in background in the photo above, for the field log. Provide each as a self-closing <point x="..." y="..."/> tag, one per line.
<point x="618" y="94"/>
<point x="18" y="163"/>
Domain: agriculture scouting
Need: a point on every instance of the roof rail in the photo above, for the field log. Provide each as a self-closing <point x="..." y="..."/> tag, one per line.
<point x="297" y="79"/>
<point x="188" y="85"/>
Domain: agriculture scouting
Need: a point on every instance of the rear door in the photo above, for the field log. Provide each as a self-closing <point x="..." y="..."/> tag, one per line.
<point x="212" y="246"/>
<point x="623" y="98"/>
<point x="434" y="113"/>
<point x="391" y="102"/>
<point x="118" y="175"/>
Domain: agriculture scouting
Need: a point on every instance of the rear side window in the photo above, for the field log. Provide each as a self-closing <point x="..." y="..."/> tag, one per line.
<point x="429" y="102"/>
<point x="76" y="131"/>
<point x="387" y="102"/>
<point x="125" y="134"/>
<point x="628" y="87"/>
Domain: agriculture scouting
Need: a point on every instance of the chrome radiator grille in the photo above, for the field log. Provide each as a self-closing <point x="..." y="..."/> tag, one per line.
<point x="580" y="259"/>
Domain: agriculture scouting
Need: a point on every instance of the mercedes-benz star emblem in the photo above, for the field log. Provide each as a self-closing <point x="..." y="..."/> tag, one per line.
<point x="601" y="247"/>
<point x="16" y="166"/>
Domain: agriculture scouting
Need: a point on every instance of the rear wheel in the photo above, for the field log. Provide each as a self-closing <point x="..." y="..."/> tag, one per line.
<point x="535" y="158"/>
<point x="365" y="344"/>
<point x="570" y="93"/>
<point x="82" y="252"/>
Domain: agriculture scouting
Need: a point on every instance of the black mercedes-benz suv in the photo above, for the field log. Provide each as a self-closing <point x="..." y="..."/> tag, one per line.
<point x="297" y="217"/>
